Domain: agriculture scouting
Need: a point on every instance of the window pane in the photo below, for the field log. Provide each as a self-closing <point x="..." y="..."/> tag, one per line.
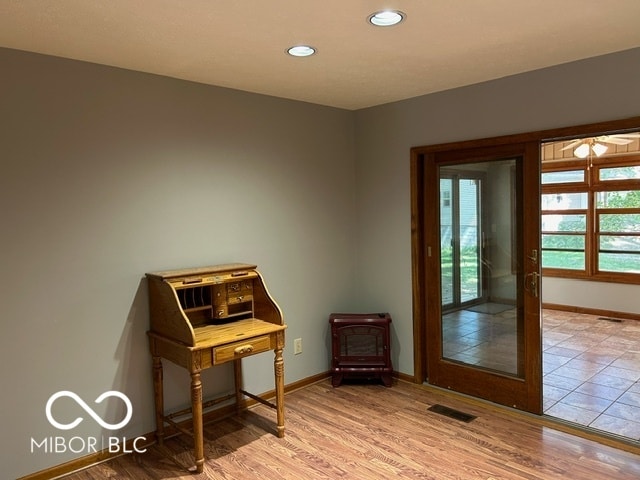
<point x="570" y="242"/>
<point x="571" y="176"/>
<point x="446" y="252"/>
<point x="620" y="173"/>
<point x="623" y="199"/>
<point x="564" y="201"/>
<point x="564" y="223"/>
<point x="619" y="262"/>
<point x="626" y="243"/>
<point x="620" y="222"/>
<point x="568" y="260"/>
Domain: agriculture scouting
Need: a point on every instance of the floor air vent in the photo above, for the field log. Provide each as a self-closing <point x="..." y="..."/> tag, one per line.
<point x="451" y="413"/>
<point x="609" y="319"/>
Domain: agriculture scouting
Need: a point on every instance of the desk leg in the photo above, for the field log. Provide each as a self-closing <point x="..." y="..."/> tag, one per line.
<point x="237" y="379"/>
<point x="278" y="368"/>
<point x="158" y="398"/>
<point x="196" y="406"/>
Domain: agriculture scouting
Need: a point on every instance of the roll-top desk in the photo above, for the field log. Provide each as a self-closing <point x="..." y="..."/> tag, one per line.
<point x="202" y="317"/>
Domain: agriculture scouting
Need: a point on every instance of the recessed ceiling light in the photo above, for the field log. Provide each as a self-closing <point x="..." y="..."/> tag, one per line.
<point x="301" y="51"/>
<point x="386" y="18"/>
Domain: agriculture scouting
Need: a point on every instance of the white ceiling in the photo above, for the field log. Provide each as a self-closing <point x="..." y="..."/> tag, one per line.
<point x="241" y="44"/>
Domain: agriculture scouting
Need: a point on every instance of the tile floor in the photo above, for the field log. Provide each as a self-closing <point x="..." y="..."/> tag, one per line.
<point x="591" y="371"/>
<point x="591" y="366"/>
<point x="483" y="338"/>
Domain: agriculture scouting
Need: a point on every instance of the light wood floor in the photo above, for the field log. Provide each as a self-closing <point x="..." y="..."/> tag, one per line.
<point x="367" y="431"/>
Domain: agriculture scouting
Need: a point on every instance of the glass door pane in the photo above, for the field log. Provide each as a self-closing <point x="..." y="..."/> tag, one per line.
<point x="447" y="283"/>
<point x="460" y="238"/>
<point x="470" y="244"/>
<point x="480" y="326"/>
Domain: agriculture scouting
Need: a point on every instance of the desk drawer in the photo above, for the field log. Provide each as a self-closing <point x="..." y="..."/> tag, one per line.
<point x="241" y="349"/>
<point x="236" y="288"/>
<point x="240" y="298"/>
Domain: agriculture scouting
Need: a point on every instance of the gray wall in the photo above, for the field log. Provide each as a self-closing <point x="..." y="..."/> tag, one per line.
<point x="108" y="174"/>
<point x="590" y="91"/>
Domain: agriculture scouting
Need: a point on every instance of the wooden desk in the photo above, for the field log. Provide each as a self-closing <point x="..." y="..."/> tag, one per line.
<point x="208" y="316"/>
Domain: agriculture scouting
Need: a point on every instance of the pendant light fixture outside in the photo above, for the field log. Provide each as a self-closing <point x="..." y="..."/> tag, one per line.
<point x="599" y="149"/>
<point x="582" y="151"/>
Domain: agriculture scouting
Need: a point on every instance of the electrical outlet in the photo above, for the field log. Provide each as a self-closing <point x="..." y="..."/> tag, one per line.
<point x="297" y="346"/>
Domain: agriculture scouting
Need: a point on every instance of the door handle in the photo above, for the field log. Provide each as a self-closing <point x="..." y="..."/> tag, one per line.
<point x="531" y="283"/>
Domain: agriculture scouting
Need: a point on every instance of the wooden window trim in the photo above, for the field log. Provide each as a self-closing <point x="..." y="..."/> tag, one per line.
<point x="592" y="185"/>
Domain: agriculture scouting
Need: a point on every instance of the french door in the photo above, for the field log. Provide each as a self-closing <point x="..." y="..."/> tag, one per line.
<point x="461" y="238"/>
<point x="478" y="269"/>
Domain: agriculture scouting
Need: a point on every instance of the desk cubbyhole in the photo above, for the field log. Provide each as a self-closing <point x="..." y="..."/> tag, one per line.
<point x="194" y="297"/>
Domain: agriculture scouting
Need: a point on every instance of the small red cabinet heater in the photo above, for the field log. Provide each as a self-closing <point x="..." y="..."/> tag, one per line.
<point x="360" y="347"/>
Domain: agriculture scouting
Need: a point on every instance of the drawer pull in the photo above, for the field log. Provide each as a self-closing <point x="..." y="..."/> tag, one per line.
<point x="243" y="349"/>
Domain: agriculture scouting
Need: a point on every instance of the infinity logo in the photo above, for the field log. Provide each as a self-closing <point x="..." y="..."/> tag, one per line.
<point x="89" y="410"/>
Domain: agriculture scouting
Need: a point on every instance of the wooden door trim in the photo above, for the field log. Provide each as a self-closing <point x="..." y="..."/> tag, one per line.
<point x="421" y="155"/>
<point x="522" y="391"/>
